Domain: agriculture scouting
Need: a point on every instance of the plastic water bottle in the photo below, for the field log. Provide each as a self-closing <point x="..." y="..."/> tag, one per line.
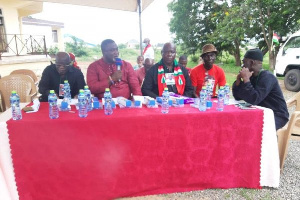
<point x="67" y="92"/>
<point x="165" y="101"/>
<point x="202" y="99"/>
<point x="209" y="92"/>
<point x="226" y="94"/>
<point x="108" y="110"/>
<point x="53" y="108"/>
<point x="221" y="95"/>
<point x="88" y="95"/>
<point x="15" y="106"/>
<point x="82" y="104"/>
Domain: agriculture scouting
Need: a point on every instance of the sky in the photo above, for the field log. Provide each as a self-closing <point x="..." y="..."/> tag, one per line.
<point x="96" y="24"/>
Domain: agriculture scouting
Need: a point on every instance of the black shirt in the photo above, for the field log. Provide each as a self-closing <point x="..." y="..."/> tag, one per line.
<point x="150" y="85"/>
<point x="51" y="81"/>
<point x="264" y="90"/>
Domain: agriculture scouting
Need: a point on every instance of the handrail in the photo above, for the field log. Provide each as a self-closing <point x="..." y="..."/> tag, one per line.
<point x="21" y="44"/>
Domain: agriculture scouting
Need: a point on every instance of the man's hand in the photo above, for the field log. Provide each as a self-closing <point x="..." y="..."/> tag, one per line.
<point x="238" y="79"/>
<point x="245" y="74"/>
<point x="116" y="76"/>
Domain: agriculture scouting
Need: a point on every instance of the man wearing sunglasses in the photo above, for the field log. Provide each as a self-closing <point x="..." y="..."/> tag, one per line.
<point x="54" y="75"/>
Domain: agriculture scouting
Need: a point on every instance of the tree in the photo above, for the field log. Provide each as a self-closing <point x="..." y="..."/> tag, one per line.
<point x="77" y="47"/>
<point x="193" y="22"/>
<point x="227" y="24"/>
<point x="281" y="16"/>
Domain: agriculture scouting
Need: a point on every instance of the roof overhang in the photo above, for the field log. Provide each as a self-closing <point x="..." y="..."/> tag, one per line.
<point x="126" y="5"/>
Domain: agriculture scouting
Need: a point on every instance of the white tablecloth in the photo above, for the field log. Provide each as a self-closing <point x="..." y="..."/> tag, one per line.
<point x="270" y="170"/>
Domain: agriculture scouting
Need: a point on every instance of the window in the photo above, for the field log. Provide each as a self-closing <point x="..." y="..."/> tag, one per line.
<point x="54" y="36"/>
<point x="3" y="40"/>
<point x="293" y="43"/>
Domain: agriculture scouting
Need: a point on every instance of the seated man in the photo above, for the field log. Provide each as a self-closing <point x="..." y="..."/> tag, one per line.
<point x="140" y="61"/>
<point x="260" y="87"/>
<point x="104" y="73"/>
<point x="54" y="75"/>
<point x="183" y="61"/>
<point x="207" y="71"/>
<point x="141" y="73"/>
<point x="167" y="73"/>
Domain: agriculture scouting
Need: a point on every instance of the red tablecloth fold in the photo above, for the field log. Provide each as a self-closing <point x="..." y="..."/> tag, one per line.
<point x="134" y="152"/>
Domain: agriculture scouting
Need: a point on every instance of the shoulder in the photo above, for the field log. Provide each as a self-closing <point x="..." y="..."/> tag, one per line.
<point x="267" y="75"/>
<point x="217" y="68"/>
<point x="197" y="69"/>
<point x="95" y="64"/>
<point x="125" y="63"/>
<point x="50" y="68"/>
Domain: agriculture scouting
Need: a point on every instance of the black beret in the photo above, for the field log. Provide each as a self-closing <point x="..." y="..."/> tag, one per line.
<point x="254" y="54"/>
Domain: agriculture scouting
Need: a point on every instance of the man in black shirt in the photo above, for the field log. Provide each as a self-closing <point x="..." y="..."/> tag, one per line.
<point x="260" y="87"/>
<point x="54" y="76"/>
<point x="167" y="73"/>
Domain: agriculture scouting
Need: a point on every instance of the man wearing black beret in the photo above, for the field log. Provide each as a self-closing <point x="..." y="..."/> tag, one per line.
<point x="260" y="87"/>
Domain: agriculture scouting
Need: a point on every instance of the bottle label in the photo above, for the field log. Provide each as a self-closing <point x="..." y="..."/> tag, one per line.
<point x="61" y="90"/>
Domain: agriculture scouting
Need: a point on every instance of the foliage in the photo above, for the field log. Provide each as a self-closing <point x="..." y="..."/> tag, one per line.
<point x="77" y="47"/>
<point x="230" y="24"/>
<point x="53" y="50"/>
<point x="122" y="46"/>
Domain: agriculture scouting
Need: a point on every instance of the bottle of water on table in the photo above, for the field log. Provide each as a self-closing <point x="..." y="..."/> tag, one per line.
<point x="220" y="106"/>
<point x="202" y="99"/>
<point x="226" y="94"/>
<point x="67" y="92"/>
<point x="53" y="108"/>
<point x="108" y="110"/>
<point x="88" y="95"/>
<point x="82" y="104"/>
<point x="15" y="106"/>
<point x="165" y="101"/>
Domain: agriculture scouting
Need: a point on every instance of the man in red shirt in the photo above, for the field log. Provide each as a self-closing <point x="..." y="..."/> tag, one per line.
<point x="104" y="73"/>
<point x="207" y="71"/>
<point x="141" y="73"/>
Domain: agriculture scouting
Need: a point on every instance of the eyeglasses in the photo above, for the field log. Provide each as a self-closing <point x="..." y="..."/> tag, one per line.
<point x="61" y="65"/>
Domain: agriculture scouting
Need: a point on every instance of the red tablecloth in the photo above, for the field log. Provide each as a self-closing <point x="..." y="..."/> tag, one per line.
<point x="134" y="152"/>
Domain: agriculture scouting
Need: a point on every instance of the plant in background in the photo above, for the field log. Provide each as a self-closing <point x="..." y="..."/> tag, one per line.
<point x="53" y="50"/>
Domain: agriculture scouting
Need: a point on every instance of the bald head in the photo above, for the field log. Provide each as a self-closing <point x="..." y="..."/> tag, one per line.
<point x="168" y="53"/>
<point x="62" y="61"/>
<point x="62" y="58"/>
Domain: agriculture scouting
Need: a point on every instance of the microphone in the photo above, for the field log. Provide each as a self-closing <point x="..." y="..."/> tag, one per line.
<point x="119" y="64"/>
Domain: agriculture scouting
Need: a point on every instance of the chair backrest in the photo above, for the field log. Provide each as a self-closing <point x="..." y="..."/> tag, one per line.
<point x="284" y="135"/>
<point x="294" y="100"/>
<point x="22" y="84"/>
<point x="27" y="72"/>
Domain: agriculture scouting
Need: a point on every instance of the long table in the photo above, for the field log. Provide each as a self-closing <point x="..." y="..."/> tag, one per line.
<point x="142" y="151"/>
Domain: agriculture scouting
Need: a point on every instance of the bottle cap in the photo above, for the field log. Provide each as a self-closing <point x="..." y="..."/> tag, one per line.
<point x="107" y="89"/>
<point x="203" y="88"/>
<point x="81" y="91"/>
<point x="166" y="89"/>
<point x="51" y="91"/>
<point x="227" y="84"/>
<point x="66" y="81"/>
<point x="14" y="92"/>
<point x="222" y="87"/>
<point x="86" y="87"/>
